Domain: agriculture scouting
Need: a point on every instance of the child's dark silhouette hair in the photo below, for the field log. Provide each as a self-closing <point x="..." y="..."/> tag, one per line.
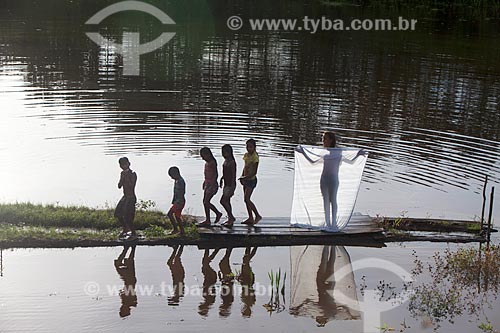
<point x="123" y="160"/>
<point x="252" y="142"/>
<point x="174" y="171"/>
<point x="227" y="148"/>
<point x="206" y="151"/>
<point x="331" y="136"/>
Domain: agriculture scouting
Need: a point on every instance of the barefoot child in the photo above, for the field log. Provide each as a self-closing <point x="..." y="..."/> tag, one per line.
<point x="249" y="181"/>
<point x="125" y="210"/>
<point x="178" y="201"/>
<point x="228" y="180"/>
<point x="210" y="186"/>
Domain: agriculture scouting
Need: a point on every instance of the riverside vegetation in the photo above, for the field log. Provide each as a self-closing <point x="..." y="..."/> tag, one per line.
<point x="27" y="222"/>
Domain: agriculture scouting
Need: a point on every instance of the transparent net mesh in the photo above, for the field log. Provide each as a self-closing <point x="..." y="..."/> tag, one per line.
<point x="326" y="186"/>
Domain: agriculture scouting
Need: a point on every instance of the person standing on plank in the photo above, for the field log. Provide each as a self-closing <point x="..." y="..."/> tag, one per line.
<point x="249" y="181"/>
<point x="125" y="210"/>
<point x="210" y="186"/>
<point x="178" y="201"/>
<point x="228" y="180"/>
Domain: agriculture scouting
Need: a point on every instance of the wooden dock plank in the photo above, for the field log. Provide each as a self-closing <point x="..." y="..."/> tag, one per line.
<point x="359" y="224"/>
<point x="363" y="228"/>
<point x="286" y="233"/>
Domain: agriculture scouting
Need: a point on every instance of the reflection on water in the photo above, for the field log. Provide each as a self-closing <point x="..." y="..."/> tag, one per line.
<point x="209" y="280"/>
<point x="226" y="278"/>
<point x="246" y="278"/>
<point x="315" y="292"/>
<point x="425" y="104"/>
<point x="226" y="286"/>
<point x="125" y="267"/>
<point x="463" y="281"/>
<point x="174" y="263"/>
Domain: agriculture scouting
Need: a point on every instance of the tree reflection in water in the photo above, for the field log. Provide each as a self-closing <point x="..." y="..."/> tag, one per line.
<point x="465" y="281"/>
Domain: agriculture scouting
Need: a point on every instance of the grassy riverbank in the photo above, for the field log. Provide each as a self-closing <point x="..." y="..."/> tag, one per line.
<point x="30" y="223"/>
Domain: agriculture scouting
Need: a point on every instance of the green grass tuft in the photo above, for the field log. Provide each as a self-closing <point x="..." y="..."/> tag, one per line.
<point x="27" y="214"/>
<point x="30" y="222"/>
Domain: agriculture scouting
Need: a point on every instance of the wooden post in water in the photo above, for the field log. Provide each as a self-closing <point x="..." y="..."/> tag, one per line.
<point x="492" y="195"/>
<point x="484" y="202"/>
<point x="479" y="269"/>
<point x="1" y="262"/>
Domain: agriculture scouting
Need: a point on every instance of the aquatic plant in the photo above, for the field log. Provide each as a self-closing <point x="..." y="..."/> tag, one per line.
<point x="463" y="281"/>
<point x="397" y="221"/>
<point x="275" y="304"/>
<point x="487" y="328"/>
<point x="387" y="328"/>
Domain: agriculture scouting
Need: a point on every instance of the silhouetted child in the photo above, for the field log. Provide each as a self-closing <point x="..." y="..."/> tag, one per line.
<point x="228" y="180"/>
<point x="210" y="186"/>
<point x="178" y="201"/>
<point x="249" y="181"/>
<point x="125" y="210"/>
<point x="329" y="182"/>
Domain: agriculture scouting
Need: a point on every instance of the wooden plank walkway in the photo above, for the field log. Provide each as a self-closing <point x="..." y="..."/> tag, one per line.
<point x="358" y="225"/>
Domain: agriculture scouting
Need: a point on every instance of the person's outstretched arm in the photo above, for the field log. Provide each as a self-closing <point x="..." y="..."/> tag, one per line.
<point x="300" y="149"/>
<point x="361" y="152"/>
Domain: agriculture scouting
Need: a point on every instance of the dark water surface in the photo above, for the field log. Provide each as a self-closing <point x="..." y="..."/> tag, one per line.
<point x="424" y="103"/>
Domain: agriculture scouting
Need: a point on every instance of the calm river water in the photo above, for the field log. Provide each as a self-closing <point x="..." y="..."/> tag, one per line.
<point x="61" y="290"/>
<point x="424" y="103"/>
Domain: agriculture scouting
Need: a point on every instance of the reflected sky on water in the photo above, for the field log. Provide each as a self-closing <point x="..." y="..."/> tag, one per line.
<point x="186" y="288"/>
<point x="425" y="104"/>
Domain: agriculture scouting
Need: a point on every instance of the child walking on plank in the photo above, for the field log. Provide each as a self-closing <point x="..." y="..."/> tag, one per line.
<point x="228" y="180"/>
<point x="125" y="209"/>
<point x="178" y="201"/>
<point x="210" y="186"/>
<point x="249" y="181"/>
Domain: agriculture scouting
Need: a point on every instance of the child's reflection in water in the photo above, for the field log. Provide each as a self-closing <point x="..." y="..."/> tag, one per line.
<point x="247" y="280"/>
<point x="209" y="280"/>
<point x="126" y="269"/>
<point x="178" y="275"/>
<point x="226" y="277"/>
